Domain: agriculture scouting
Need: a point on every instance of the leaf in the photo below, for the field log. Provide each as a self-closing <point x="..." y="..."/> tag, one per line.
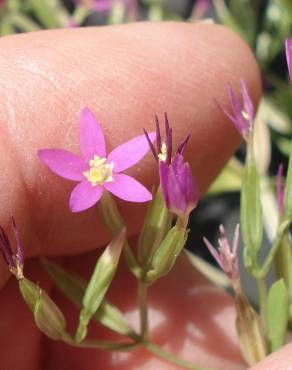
<point x="288" y="189"/>
<point x="250" y="208"/>
<point x="73" y="287"/>
<point x="277" y="314"/>
<point x="99" y="283"/>
<point x="46" y="13"/>
<point x="229" y="179"/>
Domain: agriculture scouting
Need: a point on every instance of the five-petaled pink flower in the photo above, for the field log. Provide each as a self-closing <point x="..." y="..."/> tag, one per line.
<point x="226" y="257"/>
<point x="96" y="171"/>
<point x="288" y="45"/>
<point x="242" y="116"/>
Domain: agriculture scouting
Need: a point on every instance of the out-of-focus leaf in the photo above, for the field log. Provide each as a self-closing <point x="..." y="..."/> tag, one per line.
<point x="229" y="179"/>
<point x="277" y="315"/>
<point x="250" y="208"/>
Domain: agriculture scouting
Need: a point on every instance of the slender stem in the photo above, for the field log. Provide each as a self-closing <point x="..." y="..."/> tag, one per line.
<point x="262" y="289"/>
<point x="143" y="309"/>
<point x="162" y="353"/>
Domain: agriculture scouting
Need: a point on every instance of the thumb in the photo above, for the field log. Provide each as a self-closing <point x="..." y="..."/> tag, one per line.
<point x="280" y="360"/>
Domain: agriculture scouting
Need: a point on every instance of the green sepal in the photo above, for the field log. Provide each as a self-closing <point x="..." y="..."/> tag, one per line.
<point x="167" y="253"/>
<point x="156" y="225"/>
<point x="288" y="189"/>
<point x="277" y="314"/>
<point x="251" y="210"/>
<point x="47" y="315"/>
<point x="73" y="287"/>
<point x="99" y="283"/>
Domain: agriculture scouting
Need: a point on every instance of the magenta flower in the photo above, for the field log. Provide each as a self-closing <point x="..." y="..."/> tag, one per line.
<point x="288" y="45"/>
<point x="96" y="5"/>
<point x="14" y="261"/>
<point x="95" y="171"/>
<point x="178" y="185"/>
<point x="226" y="257"/>
<point x="163" y="153"/>
<point x="243" y="114"/>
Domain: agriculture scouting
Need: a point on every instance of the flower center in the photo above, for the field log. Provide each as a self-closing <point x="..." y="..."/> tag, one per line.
<point x="99" y="171"/>
<point x="162" y="156"/>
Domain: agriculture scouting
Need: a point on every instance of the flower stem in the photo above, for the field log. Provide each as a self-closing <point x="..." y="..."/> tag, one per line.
<point x="262" y="289"/>
<point x="143" y="309"/>
<point x="160" y="352"/>
<point x="283" y="264"/>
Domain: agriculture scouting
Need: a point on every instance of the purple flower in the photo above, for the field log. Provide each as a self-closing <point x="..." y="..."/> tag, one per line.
<point x="226" y="257"/>
<point x="178" y="185"/>
<point x="288" y="45"/>
<point x="95" y="171"/>
<point x="96" y="5"/>
<point x="243" y="114"/>
<point x="280" y="188"/>
<point x="14" y="261"/>
<point x="163" y="153"/>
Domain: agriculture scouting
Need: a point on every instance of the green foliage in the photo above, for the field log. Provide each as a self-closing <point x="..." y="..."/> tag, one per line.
<point x="277" y="315"/>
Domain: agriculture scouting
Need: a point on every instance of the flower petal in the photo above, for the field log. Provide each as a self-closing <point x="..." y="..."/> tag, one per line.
<point x="127" y="188"/>
<point x="63" y="163"/>
<point x="84" y="196"/>
<point x="129" y="153"/>
<point x="288" y="45"/>
<point x="91" y="136"/>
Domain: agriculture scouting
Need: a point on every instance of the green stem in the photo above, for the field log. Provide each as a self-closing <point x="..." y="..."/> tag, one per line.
<point x="169" y="357"/>
<point x="143" y="309"/>
<point x="283" y="264"/>
<point x="114" y="222"/>
<point x="262" y="289"/>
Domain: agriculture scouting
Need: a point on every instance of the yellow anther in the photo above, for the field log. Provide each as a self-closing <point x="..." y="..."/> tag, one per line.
<point x="163" y="155"/>
<point x="99" y="171"/>
<point x="245" y="115"/>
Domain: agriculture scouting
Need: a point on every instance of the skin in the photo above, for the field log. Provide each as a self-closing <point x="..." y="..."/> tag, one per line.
<point x="125" y="74"/>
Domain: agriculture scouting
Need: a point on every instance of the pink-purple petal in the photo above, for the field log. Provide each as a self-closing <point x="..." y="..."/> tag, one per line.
<point x="127" y="188"/>
<point x="63" y="163"/>
<point x="92" y="140"/>
<point x="84" y="196"/>
<point x="129" y="153"/>
<point x="288" y="45"/>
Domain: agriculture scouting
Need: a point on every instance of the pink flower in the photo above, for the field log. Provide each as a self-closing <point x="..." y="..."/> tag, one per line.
<point x="95" y="171"/>
<point x="288" y="45"/>
<point x="14" y="261"/>
<point x="163" y="153"/>
<point x="96" y="5"/>
<point x="226" y="257"/>
<point x="178" y="185"/>
<point x="243" y="114"/>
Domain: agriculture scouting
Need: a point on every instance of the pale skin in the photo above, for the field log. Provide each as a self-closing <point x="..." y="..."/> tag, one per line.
<point x="125" y="75"/>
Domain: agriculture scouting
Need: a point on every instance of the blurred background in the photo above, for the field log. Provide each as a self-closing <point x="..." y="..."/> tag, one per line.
<point x="264" y="24"/>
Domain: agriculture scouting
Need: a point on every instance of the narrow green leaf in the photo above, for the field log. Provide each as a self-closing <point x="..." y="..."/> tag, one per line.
<point x="73" y="287"/>
<point x="250" y="209"/>
<point x="167" y="253"/>
<point x="46" y="13"/>
<point x="157" y="223"/>
<point x="288" y="188"/>
<point x="99" y="282"/>
<point x="277" y="314"/>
